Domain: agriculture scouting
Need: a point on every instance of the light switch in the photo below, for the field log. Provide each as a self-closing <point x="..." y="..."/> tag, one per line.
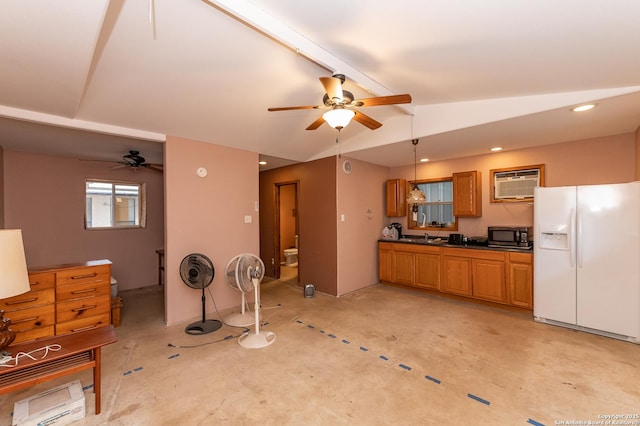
<point x="247" y="219"/>
<point x="342" y="218"/>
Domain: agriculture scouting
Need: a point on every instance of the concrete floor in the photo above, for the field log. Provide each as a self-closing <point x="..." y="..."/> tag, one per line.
<point x="378" y="356"/>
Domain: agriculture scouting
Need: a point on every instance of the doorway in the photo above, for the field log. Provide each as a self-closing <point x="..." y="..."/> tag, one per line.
<point x="286" y="230"/>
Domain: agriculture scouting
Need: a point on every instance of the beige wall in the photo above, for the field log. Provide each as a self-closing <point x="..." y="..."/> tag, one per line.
<point x="1" y="188"/>
<point x="361" y="201"/>
<point x="317" y="260"/>
<point x="45" y="197"/>
<point x="206" y="215"/>
<point x="592" y="161"/>
<point x="637" y="156"/>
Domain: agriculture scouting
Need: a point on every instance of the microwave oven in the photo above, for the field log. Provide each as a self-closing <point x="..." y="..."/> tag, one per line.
<point x="510" y="236"/>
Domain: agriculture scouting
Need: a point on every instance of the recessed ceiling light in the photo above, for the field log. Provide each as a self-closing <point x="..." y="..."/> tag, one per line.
<point x="496" y="148"/>
<point x="262" y="163"/>
<point x="424" y="160"/>
<point x="585" y="107"/>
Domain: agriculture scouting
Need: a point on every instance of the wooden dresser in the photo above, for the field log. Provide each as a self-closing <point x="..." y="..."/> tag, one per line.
<point x="63" y="299"/>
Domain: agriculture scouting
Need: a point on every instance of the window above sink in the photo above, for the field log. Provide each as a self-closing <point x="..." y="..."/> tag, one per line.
<point x="437" y="213"/>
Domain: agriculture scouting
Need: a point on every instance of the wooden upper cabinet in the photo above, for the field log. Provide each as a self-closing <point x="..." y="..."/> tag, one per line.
<point x="467" y="194"/>
<point x="396" y="197"/>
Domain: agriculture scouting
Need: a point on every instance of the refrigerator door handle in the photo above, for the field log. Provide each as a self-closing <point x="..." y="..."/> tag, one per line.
<point x="578" y="239"/>
<point x="572" y="238"/>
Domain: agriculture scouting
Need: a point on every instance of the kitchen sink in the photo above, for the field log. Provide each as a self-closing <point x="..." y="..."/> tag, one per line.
<point x="430" y="241"/>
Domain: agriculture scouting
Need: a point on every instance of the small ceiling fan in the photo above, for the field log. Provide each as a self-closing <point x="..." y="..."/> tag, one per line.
<point x="135" y="162"/>
<point x="341" y="105"/>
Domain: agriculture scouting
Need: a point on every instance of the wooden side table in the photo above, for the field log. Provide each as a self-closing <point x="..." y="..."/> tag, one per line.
<point x="160" y="265"/>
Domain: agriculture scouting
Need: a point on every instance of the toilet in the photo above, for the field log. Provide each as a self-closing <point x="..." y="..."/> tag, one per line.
<point x="291" y="255"/>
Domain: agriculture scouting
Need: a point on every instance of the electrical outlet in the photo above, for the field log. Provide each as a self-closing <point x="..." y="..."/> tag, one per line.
<point x="247" y="219"/>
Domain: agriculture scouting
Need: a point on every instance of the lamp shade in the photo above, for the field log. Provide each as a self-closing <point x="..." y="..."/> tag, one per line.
<point x="338" y="118"/>
<point x="416" y="196"/>
<point x="14" y="277"/>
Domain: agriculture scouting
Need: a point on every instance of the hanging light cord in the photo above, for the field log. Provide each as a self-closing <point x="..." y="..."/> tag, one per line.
<point x="415" y="162"/>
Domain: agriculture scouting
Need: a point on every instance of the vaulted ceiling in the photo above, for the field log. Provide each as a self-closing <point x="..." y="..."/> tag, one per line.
<point x="95" y="78"/>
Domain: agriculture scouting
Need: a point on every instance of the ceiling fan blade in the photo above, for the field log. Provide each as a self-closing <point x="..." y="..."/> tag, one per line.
<point x="319" y="122"/>
<point x="294" y="107"/>
<point x="382" y="100"/>
<point x="333" y="87"/>
<point x="365" y="120"/>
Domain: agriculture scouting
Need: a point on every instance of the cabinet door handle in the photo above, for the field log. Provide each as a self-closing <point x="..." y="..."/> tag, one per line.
<point x="89" y="327"/>
<point x="79" y="277"/>
<point x="89" y="290"/>
<point x="20" y="302"/>
<point x="84" y="308"/>
<point x="24" y="320"/>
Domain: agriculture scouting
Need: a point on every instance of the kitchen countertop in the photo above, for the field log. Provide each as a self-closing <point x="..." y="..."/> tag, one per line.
<point x="407" y="239"/>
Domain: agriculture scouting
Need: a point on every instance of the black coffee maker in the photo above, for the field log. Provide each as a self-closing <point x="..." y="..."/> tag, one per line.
<point x="398" y="228"/>
<point x="457" y="239"/>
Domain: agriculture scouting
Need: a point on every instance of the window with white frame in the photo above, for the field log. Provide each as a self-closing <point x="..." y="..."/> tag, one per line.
<point x="114" y="204"/>
<point x="437" y="212"/>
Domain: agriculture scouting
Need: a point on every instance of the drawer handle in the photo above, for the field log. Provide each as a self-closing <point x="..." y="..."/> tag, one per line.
<point x="84" y="308"/>
<point x="89" y="327"/>
<point x="89" y="290"/>
<point x="34" y="283"/>
<point x="24" y="320"/>
<point x="20" y="302"/>
<point x="79" y="277"/>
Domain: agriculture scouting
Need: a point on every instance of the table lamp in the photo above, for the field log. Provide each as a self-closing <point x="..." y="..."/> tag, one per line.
<point x="14" y="280"/>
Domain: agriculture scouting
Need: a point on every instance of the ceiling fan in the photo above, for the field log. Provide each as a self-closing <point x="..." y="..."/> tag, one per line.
<point x="135" y="162"/>
<point x="341" y="105"/>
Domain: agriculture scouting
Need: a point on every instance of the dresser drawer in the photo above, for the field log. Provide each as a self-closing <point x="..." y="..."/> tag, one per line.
<point x="42" y="280"/>
<point x="27" y="300"/>
<point x="94" y="274"/>
<point x="25" y="319"/>
<point x="83" y="324"/>
<point x="82" y="308"/>
<point x="34" y="333"/>
<point x="82" y="290"/>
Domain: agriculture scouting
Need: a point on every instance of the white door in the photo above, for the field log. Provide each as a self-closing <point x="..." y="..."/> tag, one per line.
<point x="608" y="284"/>
<point x="554" y="276"/>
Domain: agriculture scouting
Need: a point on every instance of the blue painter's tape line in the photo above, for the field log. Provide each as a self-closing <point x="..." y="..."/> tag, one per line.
<point x="477" y="398"/>
<point x="346" y="342"/>
<point x="406" y="367"/>
<point x="310" y="326"/>
<point x="231" y="336"/>
<point x="362" y="348"/>
<point x="174" y="356"/>
<point x="299" y="322"/>
<point x="322" y="331"/>
<point x="534" y="423"/>
<point x="433" y="379"/>
<point x="137" y="369"/>
<point x="126" y="373"/>
<point x="87" y="387"/>
<point x="332" y="336"/>
<point x="384" y="358"/>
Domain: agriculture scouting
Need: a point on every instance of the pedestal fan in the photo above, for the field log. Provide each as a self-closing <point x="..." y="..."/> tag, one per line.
<point x="196" y="270"/>
<point x="246" y="271"/>
<point x="244" y="318"/>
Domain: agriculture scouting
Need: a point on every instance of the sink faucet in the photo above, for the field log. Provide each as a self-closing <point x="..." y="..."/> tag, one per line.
<point x="426" y="235"/>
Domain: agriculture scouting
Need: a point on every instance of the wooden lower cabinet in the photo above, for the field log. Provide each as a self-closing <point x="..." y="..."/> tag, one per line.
<point x="491" y="275"/>
<point x="456" y="274"/>
<point x="63" y="299"/>
<point x="521" y="280"/>
<point x="427" y="268"/>
<point x="385" y="262"/>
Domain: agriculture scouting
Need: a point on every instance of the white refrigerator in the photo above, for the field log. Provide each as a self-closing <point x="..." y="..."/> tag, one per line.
<point x="587" y="258"/>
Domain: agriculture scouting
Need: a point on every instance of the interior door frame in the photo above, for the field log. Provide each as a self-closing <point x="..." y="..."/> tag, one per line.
<point x="276" y="228"/>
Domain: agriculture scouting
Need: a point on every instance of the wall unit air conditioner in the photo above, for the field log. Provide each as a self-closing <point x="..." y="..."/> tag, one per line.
<point x="516" y="184"/>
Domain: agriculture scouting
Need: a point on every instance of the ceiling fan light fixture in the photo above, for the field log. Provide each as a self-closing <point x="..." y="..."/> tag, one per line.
<point x="338" y="118"/>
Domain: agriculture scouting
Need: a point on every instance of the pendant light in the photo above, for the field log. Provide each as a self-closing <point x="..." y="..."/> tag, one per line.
<point x="416" y="196"/>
